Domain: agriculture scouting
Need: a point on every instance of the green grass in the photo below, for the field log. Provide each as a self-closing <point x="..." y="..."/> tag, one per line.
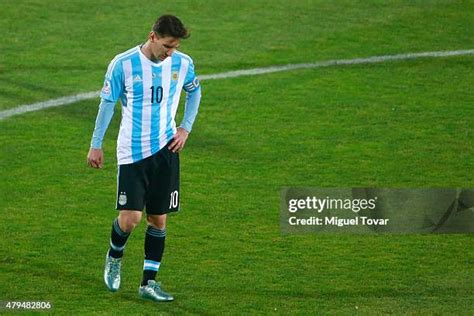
<point x="396" y="124"/>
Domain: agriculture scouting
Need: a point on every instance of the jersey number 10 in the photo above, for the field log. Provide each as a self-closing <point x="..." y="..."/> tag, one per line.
<point x="156" y="94"/>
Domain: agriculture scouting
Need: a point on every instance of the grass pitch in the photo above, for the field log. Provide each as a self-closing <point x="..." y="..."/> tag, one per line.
<point x="397" y="124"/>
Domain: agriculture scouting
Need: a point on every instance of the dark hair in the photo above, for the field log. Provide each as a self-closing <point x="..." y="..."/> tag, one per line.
<point x="169" y="25"/>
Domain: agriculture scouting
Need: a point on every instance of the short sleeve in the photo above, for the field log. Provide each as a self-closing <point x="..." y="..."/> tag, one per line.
<point x="114" y="82"/>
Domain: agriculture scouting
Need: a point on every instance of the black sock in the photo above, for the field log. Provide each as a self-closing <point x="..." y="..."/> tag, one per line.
<point x="154" y="247"/>
<point x="118" y="239"/>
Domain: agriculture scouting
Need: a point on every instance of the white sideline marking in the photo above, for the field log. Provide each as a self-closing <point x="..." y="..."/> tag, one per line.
<point x="238" y="73"/>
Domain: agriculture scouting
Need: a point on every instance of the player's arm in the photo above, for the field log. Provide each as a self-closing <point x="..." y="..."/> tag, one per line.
<point x="191" y="106"/>
<point x="113" y="88"/>
<point x="193" y="99"/>
<point x="190" y="112"/>
<point x="95" y="158"/>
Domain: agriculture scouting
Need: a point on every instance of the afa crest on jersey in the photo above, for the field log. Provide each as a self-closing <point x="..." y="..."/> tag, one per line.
<point x="174" y="75"/>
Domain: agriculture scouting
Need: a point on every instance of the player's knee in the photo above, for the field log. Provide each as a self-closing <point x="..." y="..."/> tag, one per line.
<point x="128" y="220"/>
<point x="128" y="225"/>
<point x="157" y="221"/>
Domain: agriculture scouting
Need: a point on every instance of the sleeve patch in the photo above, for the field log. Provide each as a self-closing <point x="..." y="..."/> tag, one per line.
<point x="196" y="82"/>
<point x="106" y="88"/>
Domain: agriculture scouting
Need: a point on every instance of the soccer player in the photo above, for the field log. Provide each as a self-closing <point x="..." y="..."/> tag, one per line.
<point x="148" y="80"/>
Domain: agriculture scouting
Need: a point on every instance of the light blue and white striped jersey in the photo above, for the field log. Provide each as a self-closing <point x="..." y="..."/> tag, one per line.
<point x="149" y="93"/>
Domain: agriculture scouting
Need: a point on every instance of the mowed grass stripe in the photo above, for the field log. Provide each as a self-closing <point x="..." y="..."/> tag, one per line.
<point x="246" y="72"/>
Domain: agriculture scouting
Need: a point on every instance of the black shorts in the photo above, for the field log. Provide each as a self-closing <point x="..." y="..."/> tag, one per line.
<point x="152" y="182"/>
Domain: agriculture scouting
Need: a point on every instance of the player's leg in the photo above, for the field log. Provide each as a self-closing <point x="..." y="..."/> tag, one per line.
<point x="162" y="198"/>
<point x="154" y="246"/>
<point x="130" y="202"/>
<point x="122" y="226"/>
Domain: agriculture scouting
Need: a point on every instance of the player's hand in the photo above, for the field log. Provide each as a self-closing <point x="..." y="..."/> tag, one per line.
<point x="179" y="139"/>
<point x="95" y="158"/>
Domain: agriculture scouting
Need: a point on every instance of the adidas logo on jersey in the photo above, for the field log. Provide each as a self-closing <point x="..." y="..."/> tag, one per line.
<point x="137" y="78"/>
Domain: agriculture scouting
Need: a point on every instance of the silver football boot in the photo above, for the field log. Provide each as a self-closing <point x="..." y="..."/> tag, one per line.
<point x="153" y="292"/>
<point x="112" y="272"/>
